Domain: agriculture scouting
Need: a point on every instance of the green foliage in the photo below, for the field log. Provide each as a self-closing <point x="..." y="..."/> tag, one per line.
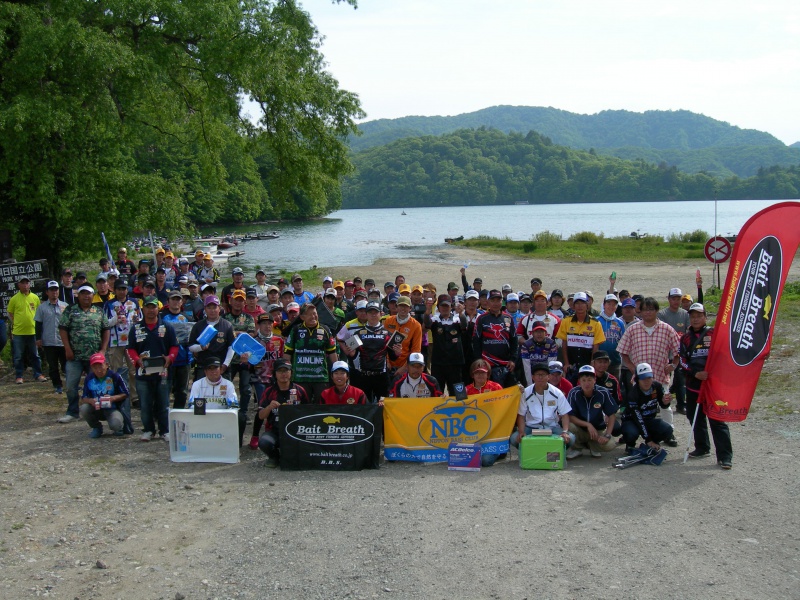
<point x="546" y="239"/>
<point x="123" y="116"/>
<point x="691" y="142"/>
<point x="488" y="167"/>
<point x="585" y="237"/>
<point x="528" y="247"/>
<point x="696" y="236"/>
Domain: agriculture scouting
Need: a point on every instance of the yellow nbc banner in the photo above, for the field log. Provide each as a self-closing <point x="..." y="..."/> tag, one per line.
<point x="422" y="429"/>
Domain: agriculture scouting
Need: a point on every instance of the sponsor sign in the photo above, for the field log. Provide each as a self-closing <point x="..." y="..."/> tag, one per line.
<point x="211" y="437"/>
<point x="464" y="457"/>
<point x="330" y="437"/>
<point x="743" y="330"/>
<point x="422" y="429"/>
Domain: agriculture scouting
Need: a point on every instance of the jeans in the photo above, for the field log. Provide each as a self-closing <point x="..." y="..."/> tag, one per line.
<point x="74" y="370"/>
<point x="20" y="345"/>
<point x="269" y="443"/>
<point x="56" y="359"/>
<point x="94" y="417"/>
<point x="180" y="386"/>
<point x="154" y="403"/>
<point x="3" y="334"/>
<point x="659" y="431"/>
<point x="557" y="430"/>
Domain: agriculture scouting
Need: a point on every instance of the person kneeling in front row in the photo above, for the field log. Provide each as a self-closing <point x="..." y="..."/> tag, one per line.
<point x="280" y="391"/>
<point x="104" y="391"/>
<point x="542" y="406"/>
<point x="591" y="405"/>
<point x="645" y="401"/>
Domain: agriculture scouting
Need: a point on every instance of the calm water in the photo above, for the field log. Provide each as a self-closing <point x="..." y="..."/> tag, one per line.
<point x="359" y="237"/>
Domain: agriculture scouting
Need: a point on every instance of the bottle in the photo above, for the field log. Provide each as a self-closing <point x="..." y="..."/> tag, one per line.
<point x="614" y="275"/>
<point x="697" y="278"/>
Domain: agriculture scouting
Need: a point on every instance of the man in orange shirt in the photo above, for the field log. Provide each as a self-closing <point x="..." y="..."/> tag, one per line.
<point x="404" y="324"/>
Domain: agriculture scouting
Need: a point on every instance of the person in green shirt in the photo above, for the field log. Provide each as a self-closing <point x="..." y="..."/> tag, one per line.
<point x="21" y="310"/>
<point x="307" y="346"/>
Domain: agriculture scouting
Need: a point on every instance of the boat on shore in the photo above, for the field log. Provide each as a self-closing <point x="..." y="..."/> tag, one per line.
<point x="451" y="240"/>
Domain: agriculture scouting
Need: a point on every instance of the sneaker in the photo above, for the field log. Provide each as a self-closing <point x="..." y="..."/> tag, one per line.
<point x="19" y="380"/>
<point x="574" y="453"/>
<point x="59" y="390"/>
<point x="165" y="437"/>
<point x="119" y="433"/>
<point x="272" y="463"/>
<point x="672" y="442"/>
<point x="699" y="453"/>
<point x="254" y="442"/>
<point x="725" y="464"/>
<point x="41" y="379"/>
<point x="67" y="419"/>
<point x="96" y="433"/>
<point x="595" y="453"/>
<point x="146" y="436"/>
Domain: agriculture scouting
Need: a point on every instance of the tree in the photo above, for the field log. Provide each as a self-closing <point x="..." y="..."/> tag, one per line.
<point x="126" y="115"/>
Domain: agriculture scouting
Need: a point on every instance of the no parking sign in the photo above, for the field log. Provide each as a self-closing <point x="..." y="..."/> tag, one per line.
<point x="718" y="249"/>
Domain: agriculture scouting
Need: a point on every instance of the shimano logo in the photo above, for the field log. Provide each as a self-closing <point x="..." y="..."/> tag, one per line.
<point x="208" y="436"/>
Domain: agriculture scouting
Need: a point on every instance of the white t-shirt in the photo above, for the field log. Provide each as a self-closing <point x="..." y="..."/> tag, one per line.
<point x="218" y="395"/>
<point x="543" y="409"/>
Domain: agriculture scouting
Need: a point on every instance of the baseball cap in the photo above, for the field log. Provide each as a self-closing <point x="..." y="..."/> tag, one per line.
<point x="484" y="293"/>
<point x="169" y="254"/>
<point x="281" y="363"/>
<point x="360" y="293"/>
<point x="536" y="280"/>
<point x="207" y="257"/>
<point x="539" y="325"/>
<point x="212" y="362"/>
<point x="404" y="300"/>
<point x="292" y="306"/>
<point x="629" y="302"/>
<point x="587" y="369"/>
<point x="495" y="294"/>
<point x="349" y="283"/>
<point x="183" y="279"/>
<point x="539" y="367"/>
<point x="287" y="292"/>
<point x="237" y="271"/>
<point x="589" y="294"/>
<point x="600" y="355"/>
<point x="416" y="358"/>
<point x="265" y="317"/>
<point x="418" y="288"/>
<point x="328" y="279"/>
<point x="122" y="249"/>
<point x="199" y="252"/>
<point x="675" y="292"/>
<point x="610" y="297"/>
<point x="273" y="307"/>
<point x="444" y="299"/>
<point x="512" y="297"/>
<point x="161" y="270"/>
<point x="297" y="276"/>
<point x="404" y="287"/>
<point x="212" y="299"/>
<point x="159" y="250"/>
<point x="480" y="368"/>
<point x="238" y="294"/>
<point x="361" y="304"/>
<point x="644" y="371"/>
<point x="471" y="294"/>
<point x="340" y="365"/>
<point x="369" y="281"/>
<point x="330" y="292"/>
<point x="251" y="293"/>
<point x="687" y="297"/>
<point x="52" y="284"/>
<point x="556" y="366"/>
<point x="580" y="296"/>
<point x="507" y="287"/>
<point x="66" y="271"/>
<point x="273" y="288"/>
<point x="696" y="307"/>
<point x="452" y="286"/>
<point x="175" y="294"/>
<point x="557" y="292"/>
<point x="150" y="301"/>
<point x="98" y="358"/>
<point x="206" y="286"/>
<point x="183" y="260"/>
<point x="478" y="280"/>
<point x="261" y="271"/>
<point x="83" y="288"/>
<point x="541" y="294"/>
<point x="282" y="281"/>
<point x="392" y="297"/>
<point x="373" y="306"/>
<point x="524" y="297"/>
<point x="388" y="284"/>
<point x="338" y="284"/>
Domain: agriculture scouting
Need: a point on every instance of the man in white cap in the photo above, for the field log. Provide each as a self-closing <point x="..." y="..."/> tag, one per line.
<point x="591" y="406"/>
<point x="580" y="335"/>
<point x="678" y="319"/>
<point x="415" y="383"/>
<point x="641" y="417"/>
<point x="613" y="328"/>
<point x="341" y="392"/>
<point x="47" y="317"/>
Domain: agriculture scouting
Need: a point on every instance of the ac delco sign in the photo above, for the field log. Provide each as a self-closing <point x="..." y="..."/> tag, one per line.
<point x="754" y="301"/>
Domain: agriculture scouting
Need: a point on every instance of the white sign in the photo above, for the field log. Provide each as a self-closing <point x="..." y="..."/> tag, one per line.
<point x="212" y="437"/>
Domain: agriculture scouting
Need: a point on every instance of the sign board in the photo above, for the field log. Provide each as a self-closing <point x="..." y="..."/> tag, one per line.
<point x="718" y="249"/>
<point x="330" y="437"/>
<point x="37" y="272"/>
<point x="212" y="437"/>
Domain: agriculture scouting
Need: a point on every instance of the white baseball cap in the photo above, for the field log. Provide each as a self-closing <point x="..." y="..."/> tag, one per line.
<point x="580" y="296"/>
<point x="416" y="358"/>
<point x="512" y="297"/>
<point x="340" y="365"/>
<point x="472" y="294"/>
<point x="610" y="297"/>
<point x="586" y="369"/>
<point x="644" y="370"/>
<point x="361" y="304"/>
<point x="675" y="292"/>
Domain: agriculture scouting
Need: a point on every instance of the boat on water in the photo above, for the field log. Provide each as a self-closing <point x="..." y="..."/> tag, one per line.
<point x="522" y="203"/>
<point x="403" y="213"/>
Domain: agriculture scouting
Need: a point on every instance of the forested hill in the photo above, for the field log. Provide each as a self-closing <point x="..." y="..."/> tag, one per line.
<point x="690" y="141"/>
<point x="487" y="166"/>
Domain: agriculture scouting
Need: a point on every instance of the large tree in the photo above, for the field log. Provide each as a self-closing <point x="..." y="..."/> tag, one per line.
<point x="123" y="115"/>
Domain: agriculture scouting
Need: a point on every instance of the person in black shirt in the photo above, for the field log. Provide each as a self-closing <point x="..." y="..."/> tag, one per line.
<point x="641" y="417"/>
<point x="282" y="391"/>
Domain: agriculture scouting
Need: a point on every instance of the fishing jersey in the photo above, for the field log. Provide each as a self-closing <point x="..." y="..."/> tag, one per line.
<point x="579" y="337"/>
<point x="495" y="339"/>
<point x="184" y="356"/>
<point x="296" y="394"/>
<point x="549" y="320"/>
<point x="208" y="273"/>
<point x="412" y="342"/>
<point x="219" y="344"/>
<point x="694" y="354"/>
<point x="644" y="407"/>
<point x="243" y="324"/>
<point x="611" y="383"/>
<point x="423" y="387"/>
<point x="613" y="329"/>
<point x="157" y="339"/>
<point x="219" y="395"/>
<point x="309" y="349"/>
<point x="373" y="354"/>
<point x="273" y="344"/>
<point x="85" y="329"/>
<point x="545" y="409"/>
<point x="350" y="395"/>
<point x="121" y="315"/>
<point x="592" y="410"/>
<point x="538" y="352"/>
<point x="447" y="336"/>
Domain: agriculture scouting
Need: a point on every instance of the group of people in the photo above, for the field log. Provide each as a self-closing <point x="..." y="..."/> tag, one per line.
<point x="596" y="376"/>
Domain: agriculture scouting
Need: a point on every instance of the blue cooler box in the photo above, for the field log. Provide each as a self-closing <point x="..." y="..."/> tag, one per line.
<point x="542" y="452"/>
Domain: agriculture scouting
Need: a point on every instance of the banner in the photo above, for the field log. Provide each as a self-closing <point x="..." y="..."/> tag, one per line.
<point x="761" y="258"/>
<point x="422" y="429"/>
<point x="330" y="437"/>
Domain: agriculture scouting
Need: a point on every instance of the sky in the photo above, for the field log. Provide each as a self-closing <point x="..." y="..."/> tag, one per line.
<point x="733" y="61"/>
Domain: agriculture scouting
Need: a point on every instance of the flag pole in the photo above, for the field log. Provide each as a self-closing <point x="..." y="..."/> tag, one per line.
<point x="691" y="437"/>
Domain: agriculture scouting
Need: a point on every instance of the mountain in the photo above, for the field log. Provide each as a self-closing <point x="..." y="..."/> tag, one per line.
<point x="692" y="142"/>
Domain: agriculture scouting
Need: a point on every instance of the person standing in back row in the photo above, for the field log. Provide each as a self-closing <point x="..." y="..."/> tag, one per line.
<point x="678" y="319"/>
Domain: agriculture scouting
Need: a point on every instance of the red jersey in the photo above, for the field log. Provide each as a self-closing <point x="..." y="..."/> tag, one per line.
<point x="351" y="395"/>
<point x="490" y="386"/>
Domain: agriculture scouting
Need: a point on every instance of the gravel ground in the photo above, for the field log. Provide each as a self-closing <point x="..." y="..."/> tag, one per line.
<point x="113" y="518"/>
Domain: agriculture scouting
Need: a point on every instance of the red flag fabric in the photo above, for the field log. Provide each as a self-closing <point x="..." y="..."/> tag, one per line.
<point x="762" y="255"/>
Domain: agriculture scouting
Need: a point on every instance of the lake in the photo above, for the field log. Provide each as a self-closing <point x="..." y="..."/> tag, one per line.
<point x="360" y="237"/>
